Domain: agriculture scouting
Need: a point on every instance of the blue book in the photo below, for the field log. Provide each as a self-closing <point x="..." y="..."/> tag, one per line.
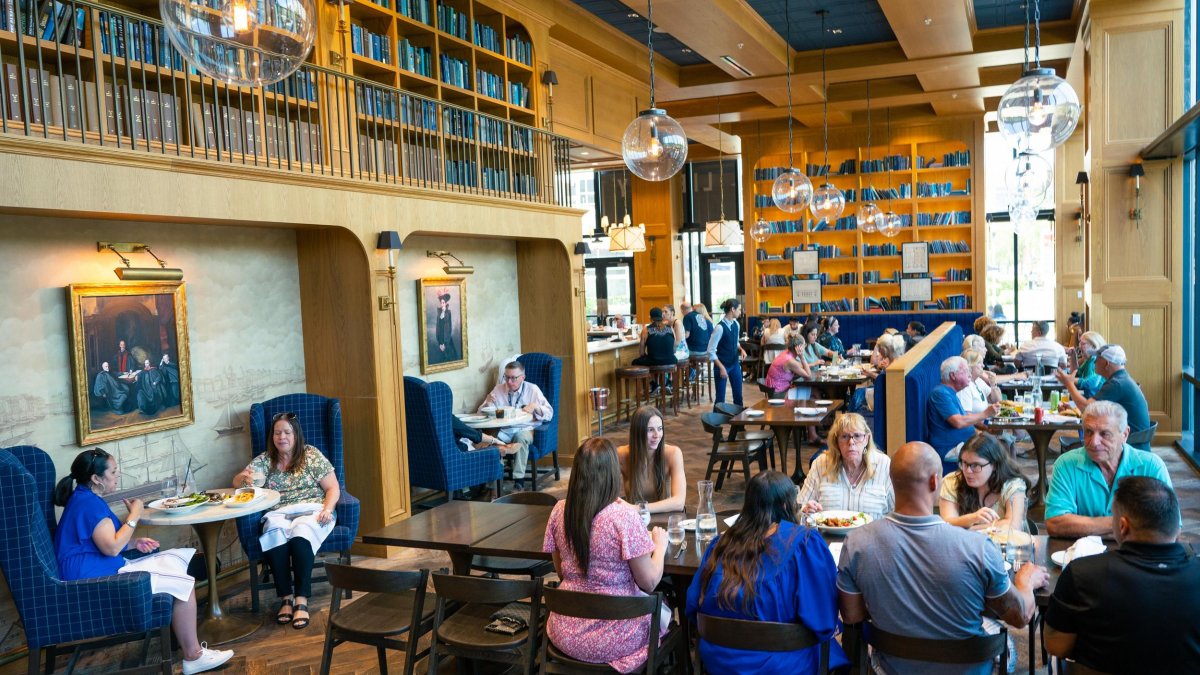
<point x="356" y="38"/>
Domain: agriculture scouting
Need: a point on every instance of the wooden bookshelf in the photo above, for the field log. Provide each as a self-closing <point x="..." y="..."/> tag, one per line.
<point x="936" y="201"/>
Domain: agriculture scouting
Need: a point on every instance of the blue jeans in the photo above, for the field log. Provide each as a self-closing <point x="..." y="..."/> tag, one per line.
<point x="735" y="382"/>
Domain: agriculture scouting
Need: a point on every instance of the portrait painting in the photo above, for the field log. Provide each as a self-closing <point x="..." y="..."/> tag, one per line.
<point x="129" y="349"/>
<point x="443" y="326"/>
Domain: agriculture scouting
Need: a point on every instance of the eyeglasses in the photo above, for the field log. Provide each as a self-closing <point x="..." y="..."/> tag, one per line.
<point x="974" y="467"/>
<point x="853" y="438"/>
<point x="513" y="378"/>
<point x="289" y="416"/>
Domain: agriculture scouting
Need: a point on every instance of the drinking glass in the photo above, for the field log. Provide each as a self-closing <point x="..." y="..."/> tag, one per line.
<point x="644" y="512"/>
<point x="258" y="479"/>
<point x="676" y="536"/>
<point x="1018" y="550"/>
<point x="706" y="515"/>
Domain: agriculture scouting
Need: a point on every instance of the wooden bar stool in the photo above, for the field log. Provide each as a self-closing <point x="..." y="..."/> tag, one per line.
<point x="634" y="382"/>
<point x="664" y="377"/>
<point x="703" y="367"/>
<point x="682" y="386"/>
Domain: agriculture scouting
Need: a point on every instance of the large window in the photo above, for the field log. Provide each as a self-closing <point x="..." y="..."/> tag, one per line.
<point x="1191" y="217"/>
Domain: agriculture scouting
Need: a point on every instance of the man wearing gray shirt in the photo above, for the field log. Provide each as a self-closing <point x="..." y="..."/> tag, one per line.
<point x="915" y="575"/>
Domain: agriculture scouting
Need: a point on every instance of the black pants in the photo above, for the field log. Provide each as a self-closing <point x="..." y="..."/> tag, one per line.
<point x="291" y="565"/>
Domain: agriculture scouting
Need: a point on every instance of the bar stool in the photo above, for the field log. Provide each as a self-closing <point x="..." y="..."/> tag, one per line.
<point x="634" y="382"/>
<point x="682" y="386"/>
<point x="703" y="367"/>
<point x="664" y="377"/>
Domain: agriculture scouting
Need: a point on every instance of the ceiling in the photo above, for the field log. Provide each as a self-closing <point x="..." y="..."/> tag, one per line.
<point x="633" y="24"/>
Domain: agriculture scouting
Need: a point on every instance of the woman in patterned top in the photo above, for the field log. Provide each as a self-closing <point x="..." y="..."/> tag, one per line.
<point x="986" y="489"/>
<point x="305" y="480"/>
<point x="855" y="477"/>
<point x="600" y="545"/>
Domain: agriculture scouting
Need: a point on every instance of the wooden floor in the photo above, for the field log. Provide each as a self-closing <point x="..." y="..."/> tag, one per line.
<point x="280" y="650"/>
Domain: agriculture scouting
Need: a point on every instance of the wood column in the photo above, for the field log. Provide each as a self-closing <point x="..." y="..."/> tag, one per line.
<point x="659" y="205"/>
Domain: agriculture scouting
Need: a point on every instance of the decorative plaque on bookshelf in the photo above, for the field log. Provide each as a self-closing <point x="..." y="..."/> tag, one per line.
<point x="806" y="291"/>
<point x="805" y="261"/>
<point x="916" y="290"/>
<point x="914" y="257"/>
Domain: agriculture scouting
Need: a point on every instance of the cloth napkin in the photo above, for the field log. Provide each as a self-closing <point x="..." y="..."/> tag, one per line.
<point x="731" y="520"/>
<point x="168" y="571"/>
<point x="1084" y="547"/>
<point x="297" y="520"/>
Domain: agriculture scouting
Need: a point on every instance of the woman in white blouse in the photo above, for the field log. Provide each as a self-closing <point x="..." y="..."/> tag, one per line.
<point x="855" y="477"/>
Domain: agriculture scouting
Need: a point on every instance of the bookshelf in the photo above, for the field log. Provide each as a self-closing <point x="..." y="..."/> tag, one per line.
<point x="932" y="188"/>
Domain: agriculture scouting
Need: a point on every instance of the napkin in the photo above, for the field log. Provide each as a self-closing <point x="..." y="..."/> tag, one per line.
<point x="731" y="520"/>
<point x="1059" y="419"/>
<point x="1084" y="547"/>
<point x="835" y="547"/>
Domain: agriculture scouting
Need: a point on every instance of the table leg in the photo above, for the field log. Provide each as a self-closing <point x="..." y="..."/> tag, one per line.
<point x="798" y="441"/>
<point x="781" y="441"/>
<point x="681" y="583"/>
<point x="1041" y="445"/>
<point x="216" y="627"/>
<point x="460" y="562"/>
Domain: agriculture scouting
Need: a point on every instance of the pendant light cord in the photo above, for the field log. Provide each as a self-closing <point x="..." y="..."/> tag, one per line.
<point x="1025" y="64"/>
<point x="889" y="149"/>
<point x="873" y="193"/>
<point x="824" y="93"/>
<point x="787" y="57"/>
<point x="1037" y="32"/>
<point x="721" y="159"/>
<point x="650" y="45"/>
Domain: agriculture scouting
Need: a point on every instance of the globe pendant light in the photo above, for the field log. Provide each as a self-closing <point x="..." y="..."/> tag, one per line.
<point x="828" y="202"/>
<point x="1029" y="178"/>
<point x="792" y="191"/>
<point x="1021" y="212"/>
<point x="654" y="146"/>
<point x="248" y="43"/>
<point x="761" y="230"/>
<point x="1040" y="110"/>
<point x="722" y="232"/>
<point x="870" y="217"/>
<point x="891" y="224"/>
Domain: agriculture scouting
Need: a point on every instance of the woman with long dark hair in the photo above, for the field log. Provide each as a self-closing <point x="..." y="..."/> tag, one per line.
<point x="652" y="470"/>
<point x="90" y="539"/>
<point x="767" y="567"/>
<point x="987" y="490"/>
<point x="600" y="545"/>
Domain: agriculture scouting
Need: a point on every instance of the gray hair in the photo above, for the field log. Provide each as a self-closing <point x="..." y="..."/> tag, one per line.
<point x="890" y="346"/>
<point x="974" y="342"/>
<point x="952" y="365"/>
<point x="973" y="357"/>
<point x="1110" y="410"/>
<point x="515" y="365"/>
<point x="1042" y="327"/>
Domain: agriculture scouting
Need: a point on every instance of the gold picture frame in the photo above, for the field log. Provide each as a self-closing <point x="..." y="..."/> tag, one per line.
<point x="443" y="334"/>
<point x="130" y="364"/>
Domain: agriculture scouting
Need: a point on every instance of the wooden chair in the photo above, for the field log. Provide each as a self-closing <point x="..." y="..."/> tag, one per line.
<point x="462" y="633"/>
<point x="609" y="607"/>
<point x="394" y="605"/>
<point x="495" y="565"/>
<point x="763" y="434"/>
<point x="761" y="636"/>
<point x="968" y="650"/>
<point x="727" y="452"/>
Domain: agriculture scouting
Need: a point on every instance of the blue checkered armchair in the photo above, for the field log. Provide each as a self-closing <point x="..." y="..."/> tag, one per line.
<point x="435" y="460"/>
<point x="320" y="419"/>
<point x="545" y="371"/>
<point x="53" y="611"/>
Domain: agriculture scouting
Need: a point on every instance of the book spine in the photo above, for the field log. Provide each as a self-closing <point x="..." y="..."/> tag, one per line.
<point x="53" y="95"/>
<point x="71" y="102"/>
<point x="170" y="121"/>
<point x="13" y="92"/>
<point x="35" y="95"/>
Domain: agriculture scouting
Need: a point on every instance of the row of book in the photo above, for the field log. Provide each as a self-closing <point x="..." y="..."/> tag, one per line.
<point x="45" y="19"/>
<point x="843" y="305"/>
<point x="876" y="250"/>
<point x="945" y="189"/>
<point x="414" y="9"/>
<point x="774" y="280"/>
<point x="452" y="21"/>
<point x="947" y="246"/>
<point x="415" y="59"/>
<point x="140" y="41"/>
<point x="518" y="94"/>
<point x="877" y="277"/>
<point x="944" y="218"/>
<point x="455" y="71"/>
<point x="956" y="158"/>
<point x="846" y="278"/>
<point x="827" y="251"/>
<point x="954" y="274"/>
<point x="302" y="84"/>
<point x="371" y="45"/>
<point x="375" y="102"/>
<point x="520" y="50"/>
<point x="849" y="222"/>
<point x="889" y="163"/>
<point x="489" y="84"/>
<point x="888" y="304"/>
<point x="769" y="172"/>
<point x="956" y="301"/>
<point x="487" y="37"/>
<point x="903" y="191"/>
<point x="274" y="137"/>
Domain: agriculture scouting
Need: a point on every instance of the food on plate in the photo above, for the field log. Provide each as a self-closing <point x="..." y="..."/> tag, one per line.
<point x="185" y="500"/>
<point x="241" y="498"/>
<point x="1010" y="409"/>
<point x="856" y="520"/>
<point x="215" y="497"/>
<point x="1068" y="410"/>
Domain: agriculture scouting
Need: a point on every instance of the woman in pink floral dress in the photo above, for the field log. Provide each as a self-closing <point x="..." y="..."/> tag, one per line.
<point x="600" y="545"/>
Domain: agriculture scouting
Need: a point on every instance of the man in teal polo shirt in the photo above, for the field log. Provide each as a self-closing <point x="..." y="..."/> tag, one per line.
<point x="1081" y="489"/>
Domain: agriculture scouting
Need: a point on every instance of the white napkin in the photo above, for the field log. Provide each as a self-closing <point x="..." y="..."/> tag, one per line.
<point x="835" y="547"/>
<point x="1059" y="419"/>
<point x="731" y="520"/>
<point x="1084" y="547"/>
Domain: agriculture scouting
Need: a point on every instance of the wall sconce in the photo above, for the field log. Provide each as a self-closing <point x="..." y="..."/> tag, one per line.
<point x="460" y="268"/>
<point x="581" y="248"/>
<point x="336" y="59"/>
<point x="550" y="78"/>
<point x="1136" y="171"/>
<point x="1085" y="218"/>
<point x="130" y="273"/>
<point x="389" y="240"/>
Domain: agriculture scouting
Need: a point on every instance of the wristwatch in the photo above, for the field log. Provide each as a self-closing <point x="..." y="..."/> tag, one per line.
<point x="132" y="524"/>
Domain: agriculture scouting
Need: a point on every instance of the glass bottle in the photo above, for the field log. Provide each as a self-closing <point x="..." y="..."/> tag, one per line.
<point x="706" y="515"/>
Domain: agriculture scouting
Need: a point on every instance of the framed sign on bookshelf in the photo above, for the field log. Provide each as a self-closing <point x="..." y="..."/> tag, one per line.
<point x="914" y="257"/>
<point x="806" y="291"/>
<point x="805" y="262"/>
<point x="916" y="290"/>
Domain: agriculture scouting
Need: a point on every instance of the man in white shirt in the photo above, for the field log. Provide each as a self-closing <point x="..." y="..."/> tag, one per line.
<point x="1053" y="355"/>
<point x="515" y="392"/>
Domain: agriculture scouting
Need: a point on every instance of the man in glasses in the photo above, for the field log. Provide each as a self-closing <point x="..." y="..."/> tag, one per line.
<point x="514" y="393"/>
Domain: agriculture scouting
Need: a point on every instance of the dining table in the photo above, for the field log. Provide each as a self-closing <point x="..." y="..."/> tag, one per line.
<point x="826" y="386"/>
<point x="786" y="421"/>
<point x="1040" y="434"/>
<point x="216" y="626"/>
<point x="484" y="421"/>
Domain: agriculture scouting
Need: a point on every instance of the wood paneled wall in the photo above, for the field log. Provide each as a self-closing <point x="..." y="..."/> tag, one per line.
<point x="660" y="206"/>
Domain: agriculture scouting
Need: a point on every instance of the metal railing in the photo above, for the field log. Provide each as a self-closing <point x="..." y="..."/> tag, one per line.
<point x="92" y="74"/>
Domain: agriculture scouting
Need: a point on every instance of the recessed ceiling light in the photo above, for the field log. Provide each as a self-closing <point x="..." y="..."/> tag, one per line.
<point x="835" y="31"/>
<point x="928" y="21"/>
<point x="686" y="50"/>
<point x="633" y="15"/>
<point x="585" y="153"/>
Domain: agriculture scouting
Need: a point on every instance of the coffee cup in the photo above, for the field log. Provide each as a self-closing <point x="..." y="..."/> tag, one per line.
<point x="500" y="412"/>
<point x="489" y="410"/>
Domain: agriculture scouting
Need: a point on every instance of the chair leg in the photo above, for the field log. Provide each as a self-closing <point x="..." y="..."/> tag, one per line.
<point x="533" y="465"/>
<point x="35" y="661"/>
<point x="746" y="468"/>
<point x="557" y="475"/>
<point x="712" y="459"/>
<point x="344" y="559"/>
<point x="164" y="641"/>
<point x="382" y="653"/>
<point x="254" y="580"/>
<point x="327" y="651"/>
<point x="51" y="658"/>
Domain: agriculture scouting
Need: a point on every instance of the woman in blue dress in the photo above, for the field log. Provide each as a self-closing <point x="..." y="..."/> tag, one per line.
<point x="766" y="567"/>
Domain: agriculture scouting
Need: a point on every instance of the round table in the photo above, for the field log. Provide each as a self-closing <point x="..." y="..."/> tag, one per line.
<point x="216" y="627"/>
<point x="501" y="422"/>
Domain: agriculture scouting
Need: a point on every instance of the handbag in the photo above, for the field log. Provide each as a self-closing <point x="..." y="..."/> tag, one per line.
<point x="510" y="619"/>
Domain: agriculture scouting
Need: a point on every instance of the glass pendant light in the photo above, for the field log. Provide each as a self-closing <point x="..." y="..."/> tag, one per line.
<point x="870" y="217"/>
<point x="722" y="232"/>
<point x="1021" y="212"/>
<point x="891" y="224"/>
<point x="792" y="191"/>
<point x="243" y="42"/>
<point x="761" y="231"/>
<point x="1029" y="177"/>
<point x="828" y="202"/>
<point x="654" y="146"/>
<point x="1039" y="111"/>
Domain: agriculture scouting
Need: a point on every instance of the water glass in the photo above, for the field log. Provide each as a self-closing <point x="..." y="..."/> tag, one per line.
<point x="1018" y="550"/>
<point x="258" y="479"/>
<point x="644" y="512"/>
<point x="676" y="536"/>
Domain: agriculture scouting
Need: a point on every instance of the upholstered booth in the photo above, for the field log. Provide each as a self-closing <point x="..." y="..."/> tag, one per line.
<point x="545" y="371"/>
<point x="55" y="612"/>
<point x="39" y="465"/>
<point x="435" y="460"/>
<point x="859" y="328"/>
<point x="320" y="419"/>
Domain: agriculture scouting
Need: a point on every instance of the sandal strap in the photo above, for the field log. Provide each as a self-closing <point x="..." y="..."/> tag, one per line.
<point x="301" y="607"/>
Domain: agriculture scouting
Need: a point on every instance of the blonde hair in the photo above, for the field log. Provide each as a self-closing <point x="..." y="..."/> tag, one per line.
<point x="973" y="342"/>
<point x="1093" y="337"/>
<point x="852" y="423"/>
<point x="773" y="326"/>
<point x="700" y="309"/>
<point x="973" y="357"/>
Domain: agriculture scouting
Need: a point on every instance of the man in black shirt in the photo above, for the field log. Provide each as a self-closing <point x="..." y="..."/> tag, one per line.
<point x="1135" y="609"/>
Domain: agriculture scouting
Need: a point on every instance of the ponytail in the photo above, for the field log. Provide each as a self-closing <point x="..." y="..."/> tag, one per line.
<point x="88" y="463"/>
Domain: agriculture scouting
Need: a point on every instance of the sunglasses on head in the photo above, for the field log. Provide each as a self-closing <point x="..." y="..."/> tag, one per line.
<point x="289" y="416"/>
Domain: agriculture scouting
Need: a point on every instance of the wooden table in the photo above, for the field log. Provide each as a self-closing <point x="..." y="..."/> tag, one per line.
<point x="500" y="422"/>
<point x="1041" y="435"/>
<point x="831" y="387"/>
<point x="216" y="627"/>
<point x="1048" y="384"/>
<point x="783" y="419"/>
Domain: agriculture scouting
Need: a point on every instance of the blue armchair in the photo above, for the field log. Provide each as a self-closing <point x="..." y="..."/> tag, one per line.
<point x="435" y="460"/>
<point x="53" y="611"/>
<point x="321" y="420"/>
<point x="545" y="371"/>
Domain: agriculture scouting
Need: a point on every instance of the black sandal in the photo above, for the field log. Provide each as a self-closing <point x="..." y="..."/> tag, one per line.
<point x="302" y="622"/>
<point x="281" y="618"/>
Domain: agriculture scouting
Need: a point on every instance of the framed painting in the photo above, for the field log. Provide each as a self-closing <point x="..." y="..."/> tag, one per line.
<point x="129" y="350"/>
<point x="442" y="311"/>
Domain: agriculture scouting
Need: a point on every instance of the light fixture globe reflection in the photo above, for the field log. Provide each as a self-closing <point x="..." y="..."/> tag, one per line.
<point x="891" y="224"/>
<point x="243" y="42"/>
<point x="1028" y="178"/>
<point x="760" y="231"/>
<point x="792" y="191"/>
<point x="654" y="146"/>
<point x="1038" y="112"/>
<point x="828" y="202"/>
<point x="870" y="217"/>
<point x="1021" y="211"/>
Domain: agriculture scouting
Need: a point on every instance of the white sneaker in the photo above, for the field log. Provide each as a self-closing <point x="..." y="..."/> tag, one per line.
<point x="208" y="659"/>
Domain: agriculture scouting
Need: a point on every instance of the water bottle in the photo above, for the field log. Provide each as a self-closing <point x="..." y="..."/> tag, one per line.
<point x="1037" y="383"/>
<point x="706" y="515"/>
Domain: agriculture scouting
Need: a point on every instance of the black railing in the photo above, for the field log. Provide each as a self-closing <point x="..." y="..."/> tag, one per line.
<point x="87" y="73"/>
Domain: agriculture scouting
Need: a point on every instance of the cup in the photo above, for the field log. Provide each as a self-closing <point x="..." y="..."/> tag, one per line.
<point x="258" y="479"/>
<point x="676" y="536"/>
<point x="489" y="410"/>
<point x="1038" y="414"/>
<point x="501" y="412"/>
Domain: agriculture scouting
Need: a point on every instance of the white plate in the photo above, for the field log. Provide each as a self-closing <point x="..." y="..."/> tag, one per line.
<point x="810" y="412"/>
<point x="1059" y="558"/>
<point x="471" y="417"/>
<point x="754" y="413"/>
<point x="160" y="504"/>
<point x="258" y="497"/>
<point x="776" y="401"/>
<point x="688" y="524"/>
<point x="823" y="401"/>
<point x="839" y="514"/>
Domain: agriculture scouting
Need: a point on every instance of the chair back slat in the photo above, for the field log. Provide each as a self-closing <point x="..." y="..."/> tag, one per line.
<point x="465" y="588"/>
<point x="366" y="580"/>
<point x="713" y="423"/>
<point x="968" y="650"/>
<point x="583" y="605"/>
<point x="731" y="409"/>
<point x="759" y="636"/>
<point x="527" y="498"/>
<point x="1143" y="437"/>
